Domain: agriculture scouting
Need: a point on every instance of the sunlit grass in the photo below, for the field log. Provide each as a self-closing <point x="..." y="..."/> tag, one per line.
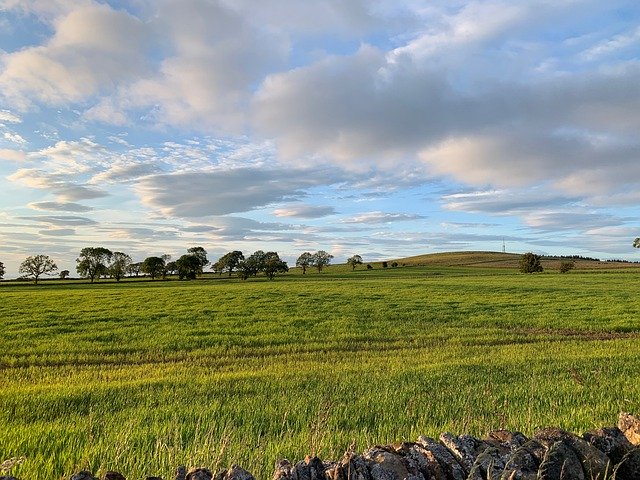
<point x="142" y="376"/>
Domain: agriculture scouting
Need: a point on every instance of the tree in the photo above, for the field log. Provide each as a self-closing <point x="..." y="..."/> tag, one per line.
<point x="93" y="261"/>
<point x="530" y="263"/>
<point x="252" y="265"/>
<point x="171" y="268"/>
<point x="165" y="269"/>
<point x="321" y="259"/>
<point x="2" y="270"/>
<point x="230" y="261"/>
<point x="188" y="266"/>
<point x="64" y="274"/>
<point x="153" y="266"/>
<point x="273" y="265"/>
<point x="567" y="266"/>
<point x="134" y="269"/>
<point x="38" y="265"/>
<point x="636" y="242"/>
<point x="119" y="265"/>
<point x="385" y="264"/>
<point x="201" y="254"/>
<point x="305" y="260"/>
<point x="354" y="261"/>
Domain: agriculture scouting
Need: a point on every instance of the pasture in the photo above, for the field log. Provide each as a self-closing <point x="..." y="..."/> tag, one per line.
<point x="142" y="376"/>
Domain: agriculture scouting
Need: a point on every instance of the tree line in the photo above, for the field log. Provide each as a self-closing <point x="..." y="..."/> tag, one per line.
<point x="94" y="263"/>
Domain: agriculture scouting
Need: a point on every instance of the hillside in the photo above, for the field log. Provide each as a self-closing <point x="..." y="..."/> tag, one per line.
<point x="502" y="260"/>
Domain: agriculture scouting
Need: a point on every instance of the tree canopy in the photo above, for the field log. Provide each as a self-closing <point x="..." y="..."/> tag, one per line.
<point x="304" y="261"/>
<point x="120" y="265"/>
<point x="530" y="263"/>
<point x="354" y="261"/>
<point x="93" y="262"/>
<point x="38" y="265"/>
<point x="2" y="270"/>
<point x="321" y="259"/>
<point x="153" y="266"/>
<point x="188" y="266"/>
<point x="230" y="261"/>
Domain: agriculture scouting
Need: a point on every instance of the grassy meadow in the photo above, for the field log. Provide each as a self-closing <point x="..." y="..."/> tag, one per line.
<point x="143" y="376"/>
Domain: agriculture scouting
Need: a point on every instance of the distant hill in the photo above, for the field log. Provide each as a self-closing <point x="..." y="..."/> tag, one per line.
<point x="504" y="260"/>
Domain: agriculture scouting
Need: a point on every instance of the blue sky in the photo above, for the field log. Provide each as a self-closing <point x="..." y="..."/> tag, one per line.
<point x="379" y="128"/>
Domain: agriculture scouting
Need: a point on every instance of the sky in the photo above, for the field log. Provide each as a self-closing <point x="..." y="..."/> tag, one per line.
<point x="372" y="127"/>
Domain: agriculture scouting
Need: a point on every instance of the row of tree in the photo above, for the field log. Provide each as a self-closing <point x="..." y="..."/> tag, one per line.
<point x="96" y="262"/>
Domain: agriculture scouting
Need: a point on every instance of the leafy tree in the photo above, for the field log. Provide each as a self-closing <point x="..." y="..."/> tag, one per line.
<point x="217" y="267"/>
<point x="201" y="254"/>
<point x="567" y="266"/>
<point x="171" y="268"/>
<point x="385" y="264"/>
<point x="188" y="266"/>
<point x="394" y="264"/>
<point x="38" y="265"/>
<point x="134" y="269"/>
<point x="64" y="274"/>
<point x="530" y="263"/>
<point x="305" y="260"/>
<point x="230" y="261"/>
<point x="153" y="266"/>
<point x="273" y="265"/>
<point x="321" y="259"/>
<point x="354" y="261"/>
<point x="93" y="261"/>
<point x="2" y="270"/>
<point x="252" y="265"/>
<point x="165" y="258"/>
<point x="120" y="265"/>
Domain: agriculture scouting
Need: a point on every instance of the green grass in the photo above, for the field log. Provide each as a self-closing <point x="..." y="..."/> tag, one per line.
<point x="142" y="376"/>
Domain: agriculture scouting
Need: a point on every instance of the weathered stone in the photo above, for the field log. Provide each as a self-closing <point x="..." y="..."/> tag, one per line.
<point x="422" y="460"/>
<point x="237" y="473"/>
<point x="83" y="475"/>
<point x="488" y="465"/>
<point x="8" y="478"/>
<point x="560" y="463"/>
<point x="351" y="467"/>
<point x="153" y="478"/>
<point x="629" y="466"/>
<point x="311" y="468"/>
<point x="283" y="470"/>
<point x="388" y="465"/>
<point x="630" y="426"/>
<point x="610" y="441"/>
<point x="464" y="447"/>
<point x="446" y="460"/>
<point x="506" y="438"/>
<point x="199" y="474"/>
<point x="595" y="464"/>
<point x="113" y="476"/>
<point x="549" y="436"/>
<point x="181" y="473"/>
<point x="523" y="464"/>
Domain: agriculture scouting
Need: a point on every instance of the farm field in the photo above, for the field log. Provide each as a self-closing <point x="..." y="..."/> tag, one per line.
<point x="143" y="376"/>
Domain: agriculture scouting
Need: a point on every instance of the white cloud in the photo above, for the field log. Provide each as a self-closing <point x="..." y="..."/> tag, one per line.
<point x="304" y="211"/>
<point x="612" y="45"/>
<point x="14" y="138"/>
<point x="59" y="206"/>
<point x="12" y="155"/>
<point x="381" y="217"/>
<point x="8" y="117"/>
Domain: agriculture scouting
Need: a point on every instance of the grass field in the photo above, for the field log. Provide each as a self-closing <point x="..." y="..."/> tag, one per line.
<point x="142" y="376"/>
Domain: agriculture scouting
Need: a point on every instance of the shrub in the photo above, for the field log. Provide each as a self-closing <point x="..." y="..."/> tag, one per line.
<point x="385" y="264"/>
<point x="566" y="266"/>
<point x="530" y="263"/>
<point x="369" y="267"/>
<point x="394" y="264"/>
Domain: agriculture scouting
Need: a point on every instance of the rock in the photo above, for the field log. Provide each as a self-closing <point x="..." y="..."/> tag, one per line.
<point x="153" y="478"/>
<point x="464" y="447"/>
<point x="629" y="466"/>
<point x="351" y="467"/>
<point x="549" y="436"/>
<point x="113" y="476"/>
<point x="237" y="473"/>
<point x="524" y="462"/>
<point x="506" y="438"/>
<point x="181" y="473"/>
<point x="560" y="463"/>
<point x="610" y="441"/>
<point x="489" y="464"/>
<point x="446" y="460"/>
<point x="283" y="470"/>
<point x="8" y="478"/>
<point x="630" y="426"/>
<point x="421" y="460"/>
<point x="311" y="468"/>
<point x="595" y="464"/>
<point x="83" y="475"/>
<point x="199" y="474"/>
<point x="388" y="465"/>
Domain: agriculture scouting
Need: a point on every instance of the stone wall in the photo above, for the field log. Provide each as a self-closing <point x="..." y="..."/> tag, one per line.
<point x="551" y="454"/>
